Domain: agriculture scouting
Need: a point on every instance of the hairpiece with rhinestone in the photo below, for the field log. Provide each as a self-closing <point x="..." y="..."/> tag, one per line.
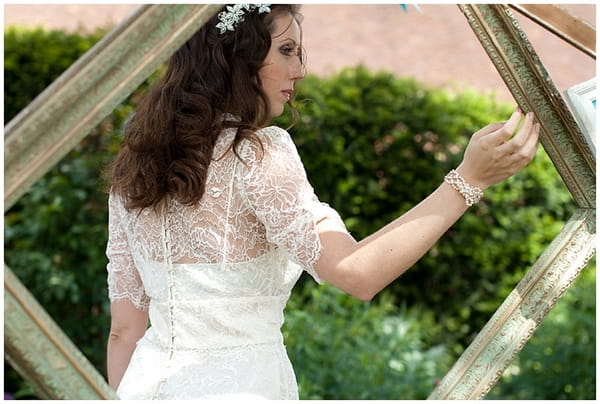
<point x="235" y="14"/>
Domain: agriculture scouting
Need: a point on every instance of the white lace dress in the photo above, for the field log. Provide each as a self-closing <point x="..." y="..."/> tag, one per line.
<point x="216" y="276"/>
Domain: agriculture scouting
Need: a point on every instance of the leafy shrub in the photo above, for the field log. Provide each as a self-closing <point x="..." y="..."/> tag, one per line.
<point x="34" y="58"/>
<point x="55" y="239"/>
<point x="343" y="348"/>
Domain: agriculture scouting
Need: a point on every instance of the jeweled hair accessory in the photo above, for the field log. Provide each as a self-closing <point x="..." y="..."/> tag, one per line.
<point x="235" y="14"/>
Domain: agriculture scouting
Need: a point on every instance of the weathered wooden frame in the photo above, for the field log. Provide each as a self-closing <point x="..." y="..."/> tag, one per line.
<point x="63" y="114"/>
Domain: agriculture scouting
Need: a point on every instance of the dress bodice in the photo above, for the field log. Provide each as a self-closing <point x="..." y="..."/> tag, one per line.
<point x="206" y="306"/>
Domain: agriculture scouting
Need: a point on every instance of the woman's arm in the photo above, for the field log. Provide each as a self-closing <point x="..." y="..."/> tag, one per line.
<point x="127" y="326"/>
<point x="365" y="268"/>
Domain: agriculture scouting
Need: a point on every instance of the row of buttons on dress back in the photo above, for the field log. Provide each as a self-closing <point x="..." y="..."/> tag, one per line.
<point x="168" y="260"/>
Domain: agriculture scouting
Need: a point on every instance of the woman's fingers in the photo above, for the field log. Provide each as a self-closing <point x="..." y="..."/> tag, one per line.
<point x="530" y="146"/>
<point x="489" y="129"/>
<point x="532" y="142"/>
<point x="507" y="129"/>
<point x="523" y="140"/>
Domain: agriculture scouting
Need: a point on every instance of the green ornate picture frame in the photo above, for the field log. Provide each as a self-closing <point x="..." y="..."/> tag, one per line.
<point x="90" y="89"/>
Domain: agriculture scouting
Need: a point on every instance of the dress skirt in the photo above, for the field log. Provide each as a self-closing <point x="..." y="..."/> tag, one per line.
<point x="261" y="371"/>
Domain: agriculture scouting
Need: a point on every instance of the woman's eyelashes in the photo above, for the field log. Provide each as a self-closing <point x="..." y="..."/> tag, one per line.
<point x="289" y="50"/>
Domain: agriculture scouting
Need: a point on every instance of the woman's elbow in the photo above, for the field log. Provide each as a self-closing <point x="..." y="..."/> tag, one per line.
<point x="357" y="283"/>
<point x="121" y="332"/>
<point x="126" y="330"/>
<point x="349" y="272"/>
<point x="364" y="296"/>
<point x="125" y="335"/>
<point x="127" y="323"/>
<point x="365" y="293"/>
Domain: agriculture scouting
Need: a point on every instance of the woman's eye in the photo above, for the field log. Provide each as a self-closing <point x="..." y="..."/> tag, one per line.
<point x="286" y="50"/>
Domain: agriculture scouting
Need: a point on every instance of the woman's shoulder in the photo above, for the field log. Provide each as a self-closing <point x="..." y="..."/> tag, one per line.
<point x="275" y="136"/>
<point x="273" y="132"/>
<point x="272" y="144"/>
<point x="267" y="136"/>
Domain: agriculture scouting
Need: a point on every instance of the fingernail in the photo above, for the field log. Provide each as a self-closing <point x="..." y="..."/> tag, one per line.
<point x="518" y="110"/>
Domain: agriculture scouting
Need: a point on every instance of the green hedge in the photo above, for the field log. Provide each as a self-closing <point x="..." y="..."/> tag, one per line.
<point x="344" y="349"/>
<point x="373" y="146"/>
<point x="34" y="58"/>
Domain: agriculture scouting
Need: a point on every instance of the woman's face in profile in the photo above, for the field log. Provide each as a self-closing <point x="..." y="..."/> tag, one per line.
<point x="282" y="67"/>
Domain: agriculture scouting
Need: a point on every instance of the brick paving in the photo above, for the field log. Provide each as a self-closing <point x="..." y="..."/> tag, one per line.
<point x="436" y="47"/>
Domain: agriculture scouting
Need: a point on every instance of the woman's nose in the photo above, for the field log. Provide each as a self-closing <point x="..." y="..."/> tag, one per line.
<point x="298" y="70"/>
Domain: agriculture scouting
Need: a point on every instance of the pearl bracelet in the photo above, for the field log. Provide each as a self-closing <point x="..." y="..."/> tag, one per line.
<point x="471" y="194"/>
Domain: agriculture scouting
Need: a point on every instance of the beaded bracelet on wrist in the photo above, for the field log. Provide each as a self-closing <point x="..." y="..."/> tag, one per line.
<point x="471" y="194"/>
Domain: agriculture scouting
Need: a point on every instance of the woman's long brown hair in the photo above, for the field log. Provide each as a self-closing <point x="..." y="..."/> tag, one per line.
<point x="169" y="141"/>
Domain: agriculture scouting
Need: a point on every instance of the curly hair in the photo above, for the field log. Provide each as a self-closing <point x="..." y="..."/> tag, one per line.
<point x="169" y="141"/>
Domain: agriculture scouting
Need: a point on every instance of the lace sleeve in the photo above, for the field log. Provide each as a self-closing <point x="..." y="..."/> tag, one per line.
<point x="283" y="200"/>
<point x="124" y="281"/>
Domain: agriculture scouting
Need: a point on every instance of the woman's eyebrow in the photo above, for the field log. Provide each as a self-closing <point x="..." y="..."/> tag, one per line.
<point x="288" y="39"/>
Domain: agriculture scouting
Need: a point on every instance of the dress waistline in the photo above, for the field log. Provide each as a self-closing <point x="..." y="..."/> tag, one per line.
<point x="218" y="323"/>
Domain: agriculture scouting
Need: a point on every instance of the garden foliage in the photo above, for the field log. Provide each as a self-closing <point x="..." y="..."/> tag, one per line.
<point x="345" y="349"/>
<point x="373" y="146"/>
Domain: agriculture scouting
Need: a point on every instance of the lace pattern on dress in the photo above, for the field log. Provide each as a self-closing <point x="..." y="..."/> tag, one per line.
<point x="271" y="205"/>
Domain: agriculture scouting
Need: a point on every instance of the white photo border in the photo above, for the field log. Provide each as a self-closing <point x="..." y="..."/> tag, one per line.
<point x="582" y="99"/>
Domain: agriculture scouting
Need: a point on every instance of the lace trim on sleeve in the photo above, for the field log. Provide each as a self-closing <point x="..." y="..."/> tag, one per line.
<point x="124" y="281"/>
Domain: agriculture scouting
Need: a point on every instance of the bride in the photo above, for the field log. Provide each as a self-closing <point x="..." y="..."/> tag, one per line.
<point x="212" y="218"/>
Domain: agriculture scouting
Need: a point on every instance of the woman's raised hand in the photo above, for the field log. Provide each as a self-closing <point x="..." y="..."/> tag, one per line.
<point x="499" y="150"/>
